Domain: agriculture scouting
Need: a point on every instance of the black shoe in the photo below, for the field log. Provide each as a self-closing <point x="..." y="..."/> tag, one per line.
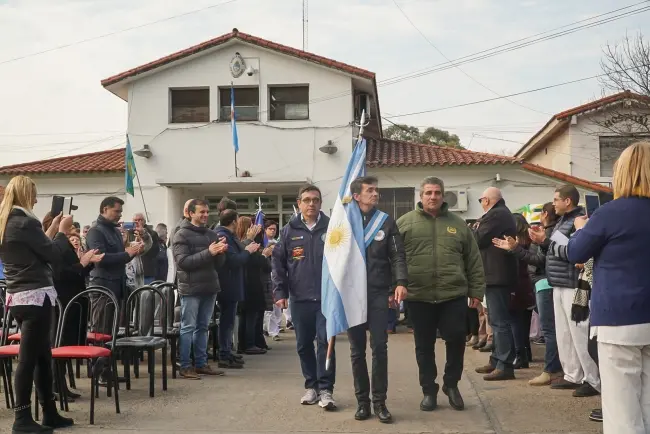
<point x="487" y="348"/>
<point x="429" y="403"/>
<point x="237" y="357"/>
<point x="455" y="399"/>
<point x="479" y="345"/>
<point x="540" y="341"/>
<point x="230" y="364"/>
<point x="596" y="415"/>
<point x="564" y="385"/>
<point x="363" y="411"/>
<point x="254" y="350"/>
<point x="52" y="418"/>
<point x="382" y="412"/>
<point x="585" y="390"/>
<point x="24" y="423"/>
<point x="521" y="362"/>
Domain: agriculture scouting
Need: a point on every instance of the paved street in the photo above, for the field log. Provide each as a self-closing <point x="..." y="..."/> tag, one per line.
<point x="264" y="398"/>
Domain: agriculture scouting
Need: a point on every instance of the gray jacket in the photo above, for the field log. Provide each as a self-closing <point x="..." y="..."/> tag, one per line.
<point x="559" y="271"/>
<point x="196" y="267"/>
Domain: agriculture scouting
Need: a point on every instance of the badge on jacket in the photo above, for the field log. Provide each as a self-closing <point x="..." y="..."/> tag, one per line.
<point x="451" y="230"/>
<point x="380" y="235"/>
<point x="298" y="253"/>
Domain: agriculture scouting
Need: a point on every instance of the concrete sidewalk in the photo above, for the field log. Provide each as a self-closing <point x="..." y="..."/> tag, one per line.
<point x="264" y="397"/>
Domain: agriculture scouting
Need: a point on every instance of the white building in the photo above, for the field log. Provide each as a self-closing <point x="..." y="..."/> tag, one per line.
<point x="585" y="141"/>
<point x="293" y="110"/>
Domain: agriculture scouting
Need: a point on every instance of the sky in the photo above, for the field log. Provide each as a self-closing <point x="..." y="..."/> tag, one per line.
<point x="52" y="103"/>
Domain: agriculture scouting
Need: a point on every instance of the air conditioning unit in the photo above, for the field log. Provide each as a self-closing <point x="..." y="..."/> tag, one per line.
<point x="456" y="200"/>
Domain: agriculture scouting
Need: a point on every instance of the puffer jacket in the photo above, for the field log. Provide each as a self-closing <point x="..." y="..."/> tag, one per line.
<point x="559" y="271"/>
<point x="385" y="257"/>
<point x="28" y="254"/>
<point x="501" y="267"/>
<point x="442" y="257"/>
<point x="196" y="267"/>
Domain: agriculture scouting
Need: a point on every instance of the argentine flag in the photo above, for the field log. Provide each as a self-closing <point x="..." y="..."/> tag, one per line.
<point x="344" y="296"/>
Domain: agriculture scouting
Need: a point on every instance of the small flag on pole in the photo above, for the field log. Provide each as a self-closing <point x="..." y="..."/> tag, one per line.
<point x="259" y="220"/>
<point x="130" y="172"/>
<point x="233" y="122"/>
<point x="343" y="290"/>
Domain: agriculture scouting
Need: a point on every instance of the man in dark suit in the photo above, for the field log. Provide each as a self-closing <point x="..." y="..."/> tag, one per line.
<point x="500" y="279"/>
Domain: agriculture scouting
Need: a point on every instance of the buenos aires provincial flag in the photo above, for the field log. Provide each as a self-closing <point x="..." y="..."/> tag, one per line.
<point x="344" y="296"/>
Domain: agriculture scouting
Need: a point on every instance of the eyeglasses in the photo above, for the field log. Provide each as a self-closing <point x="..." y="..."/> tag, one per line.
<point x="309" y="200"/>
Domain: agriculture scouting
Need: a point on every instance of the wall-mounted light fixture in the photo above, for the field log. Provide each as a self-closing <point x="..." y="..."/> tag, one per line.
<point x="330" y="148"/>
<point x="145" y="152"/>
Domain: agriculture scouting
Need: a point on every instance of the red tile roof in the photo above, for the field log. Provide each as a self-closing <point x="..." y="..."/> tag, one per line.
<point x="393" y="153"/>
<point x="380" y="153"/>
<point x="95" y="162"/>
<point x="244" y="37"/>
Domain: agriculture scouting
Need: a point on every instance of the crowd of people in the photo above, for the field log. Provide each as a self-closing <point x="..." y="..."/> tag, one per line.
<point x="473" y="285"/>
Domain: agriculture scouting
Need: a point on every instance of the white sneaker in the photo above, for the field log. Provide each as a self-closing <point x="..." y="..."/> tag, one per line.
<point x="309" y="398"/>
<point x="327" y="401"/>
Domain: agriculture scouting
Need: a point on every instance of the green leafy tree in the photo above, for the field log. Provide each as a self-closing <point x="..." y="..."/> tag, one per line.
<point x="430" y="136"/>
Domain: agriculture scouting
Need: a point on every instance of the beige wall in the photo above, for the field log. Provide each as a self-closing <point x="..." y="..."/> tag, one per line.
<point x="556" y="154"/>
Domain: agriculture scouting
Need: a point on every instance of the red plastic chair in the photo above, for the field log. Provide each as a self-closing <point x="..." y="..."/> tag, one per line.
<point x="87" y="352"/>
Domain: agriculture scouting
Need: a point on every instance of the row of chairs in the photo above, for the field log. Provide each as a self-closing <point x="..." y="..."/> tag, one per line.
<point x="103" y="348"/>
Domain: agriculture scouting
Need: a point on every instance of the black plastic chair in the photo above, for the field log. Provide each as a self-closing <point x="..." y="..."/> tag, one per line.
<point x="173" y="330"/>
<point x="131" y="346"/>
<point x="61" y="354"/>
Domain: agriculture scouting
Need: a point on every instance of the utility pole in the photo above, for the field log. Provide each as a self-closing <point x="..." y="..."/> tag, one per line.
<point x="305" y="22"/>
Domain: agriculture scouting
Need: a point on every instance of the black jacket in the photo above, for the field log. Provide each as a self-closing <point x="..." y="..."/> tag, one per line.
<point x="150" y="257"/>
<point x="500" y="266"/>
<point x="560" y="272"/>
<point x="111" y="271"/>
<point x="162" y="263"/>
<point x="231" y="276"/>
<point x="298" y="260"/>
<point x="535" y="257"/>
<point x="27" y="254"/>
<point x="196" y="267"/>
<point x="256" y="281"/>
<point x="385" y="257"/>
<point x="70" y="275"/>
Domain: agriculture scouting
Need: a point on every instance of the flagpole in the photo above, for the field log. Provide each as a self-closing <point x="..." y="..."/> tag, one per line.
<point x="144" y="205"/>
<point x="232" y="114"/>
<point x="332" y="341"/>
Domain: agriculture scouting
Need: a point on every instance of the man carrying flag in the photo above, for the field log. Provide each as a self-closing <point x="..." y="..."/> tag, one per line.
<point x="385" y="266"/>
<point x="297" y="267"/>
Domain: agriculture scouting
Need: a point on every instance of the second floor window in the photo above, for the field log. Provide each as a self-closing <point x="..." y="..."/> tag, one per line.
<point x="190" y="105"/>
<point x="610" y="148"/>
<point x="288" y="103"/>
<point x="247" y="103"/>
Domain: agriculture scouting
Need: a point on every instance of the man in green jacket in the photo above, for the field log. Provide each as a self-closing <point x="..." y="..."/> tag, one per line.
<point x="444" y="270"/>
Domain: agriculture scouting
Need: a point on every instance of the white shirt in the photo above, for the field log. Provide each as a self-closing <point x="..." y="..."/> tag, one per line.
<point x="636" y="335"/>
<point x="312" y="225"/>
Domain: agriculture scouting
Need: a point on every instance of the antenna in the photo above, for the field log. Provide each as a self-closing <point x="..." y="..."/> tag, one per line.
<point x="305" y="23"/>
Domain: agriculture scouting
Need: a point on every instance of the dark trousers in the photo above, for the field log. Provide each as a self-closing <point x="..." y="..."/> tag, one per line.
<point x="521" y="330"/>
<point x="393" y="315"/>
<point x="472" y="321"/>
<point x="376" y="325"/>
<point x="309" y="324"/>
<point x="226" y="326"/>
<point x="498" y="304"/>
<point x="35" y="356"/>
<point x="251" y="330"/>
<point x="450" y="318"/>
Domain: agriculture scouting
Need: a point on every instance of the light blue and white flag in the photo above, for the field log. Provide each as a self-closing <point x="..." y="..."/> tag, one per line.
<point x="233" y="121"/>
<point x="343" y="290"/>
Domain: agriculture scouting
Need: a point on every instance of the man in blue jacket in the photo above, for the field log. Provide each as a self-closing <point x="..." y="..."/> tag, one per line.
<point x="297" y="269"/>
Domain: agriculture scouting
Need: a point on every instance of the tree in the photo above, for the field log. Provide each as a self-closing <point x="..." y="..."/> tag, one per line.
<point x="430" y="136"/>
<point x="626" y="67"/>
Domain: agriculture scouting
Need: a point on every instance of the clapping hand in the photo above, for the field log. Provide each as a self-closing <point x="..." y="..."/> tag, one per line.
<point x="218" y="248"/>
<point x="134" y="249"/>
<point x="507" y="243"/>
<point x="253" y="231"/>
<point x="91" y="257"/>
<point x="537" y="234"/>
<point x="580" y="222"/>
<point x="252" y="247"/>
<point x="268" y="250"/>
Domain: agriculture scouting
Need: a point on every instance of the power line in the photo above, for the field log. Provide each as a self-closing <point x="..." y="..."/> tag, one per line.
<point x="503" y="48"/>
<point x="458" y="67"/>
<point x="106" y="35"/>
<point x="512" y="94"/>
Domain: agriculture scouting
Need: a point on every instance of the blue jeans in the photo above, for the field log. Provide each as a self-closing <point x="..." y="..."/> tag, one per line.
<point x="547" y="320"/>
<point x="226" y="327"/>
<point x="196" y="311"/>
<point x="500" y="318"/>
<point x="148" y="280"/>
<point x="309" y="324"/>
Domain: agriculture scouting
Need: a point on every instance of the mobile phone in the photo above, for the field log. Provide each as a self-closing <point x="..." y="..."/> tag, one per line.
<point x="593" y="203"/>
<point x="61" y="204"/>
<point x="128" y="226"/>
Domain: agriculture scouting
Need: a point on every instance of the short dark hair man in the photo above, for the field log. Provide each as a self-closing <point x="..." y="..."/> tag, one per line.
<point x="387" y="278"/>
<point x="198" y="253"/>
<point x="444" y="270"/>
<point x="297" y="270"/>
<point x="501" y="269"/>
<point x="110" y="272"/>
<point x="580" y="371"/>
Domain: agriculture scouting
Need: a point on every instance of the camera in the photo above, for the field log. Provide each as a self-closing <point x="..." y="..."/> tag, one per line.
<point x="250" y="71"/>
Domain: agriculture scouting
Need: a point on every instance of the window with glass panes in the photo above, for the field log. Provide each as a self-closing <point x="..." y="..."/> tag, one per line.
<point x="396" y="201"/>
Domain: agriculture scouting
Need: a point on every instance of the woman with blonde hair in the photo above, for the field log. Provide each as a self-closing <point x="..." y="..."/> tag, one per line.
<point x="617" y="237"/>
<point x="29" y="254"/>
